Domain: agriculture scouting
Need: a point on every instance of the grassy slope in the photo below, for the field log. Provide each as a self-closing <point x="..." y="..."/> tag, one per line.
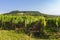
<point x="12" y="35"/>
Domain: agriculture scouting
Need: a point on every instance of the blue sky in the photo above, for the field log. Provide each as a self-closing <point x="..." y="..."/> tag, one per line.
<point x="51" y="7"/>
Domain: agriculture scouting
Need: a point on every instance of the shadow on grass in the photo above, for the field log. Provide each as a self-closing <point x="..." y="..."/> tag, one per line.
<point x="40" y="35"/>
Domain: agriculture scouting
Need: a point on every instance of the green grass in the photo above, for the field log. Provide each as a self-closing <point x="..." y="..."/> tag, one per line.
<point x="13" y="35"/>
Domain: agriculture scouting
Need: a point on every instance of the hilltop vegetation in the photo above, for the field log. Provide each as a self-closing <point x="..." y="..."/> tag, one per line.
<point x="32" y="13"/>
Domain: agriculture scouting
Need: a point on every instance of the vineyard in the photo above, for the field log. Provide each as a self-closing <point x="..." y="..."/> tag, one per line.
<point x="37" y="25"/>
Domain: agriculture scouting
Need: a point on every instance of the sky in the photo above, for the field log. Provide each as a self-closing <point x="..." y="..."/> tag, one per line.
<point x="51" y="7"/>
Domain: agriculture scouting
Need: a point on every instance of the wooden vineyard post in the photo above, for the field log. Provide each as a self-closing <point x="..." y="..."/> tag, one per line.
<point x="25" y="23"/>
